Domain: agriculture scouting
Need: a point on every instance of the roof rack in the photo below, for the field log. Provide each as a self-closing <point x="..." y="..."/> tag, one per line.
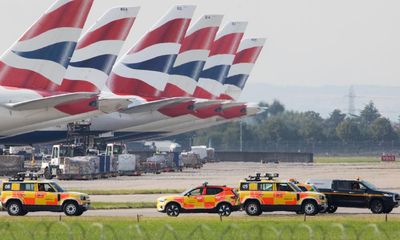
<point x="267" y="176"/>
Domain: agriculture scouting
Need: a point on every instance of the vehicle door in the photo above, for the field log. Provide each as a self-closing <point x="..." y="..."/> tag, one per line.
<point x="46" y="195"/>
<point x="358" y="194"/>
<point x="28" y="193"/>
<point x="285" y="196"/>
<point x="266" y="194"/>
<point x="212" y="196"/>
<point x="341" y="193"/>
<point x="194" y="199"/>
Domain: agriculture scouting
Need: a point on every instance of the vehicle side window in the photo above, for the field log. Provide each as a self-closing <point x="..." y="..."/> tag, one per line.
<point x="265" y="187"/>
<point x="343" y="185"/>
<point x="45" y="187"/>
<point x="244" y="186"/>
<point x="304" y="189"/>
<point x="213" y="191"/>
<point x="7" y="187"/>
<point x="284" y="187"/>
<point x="196" y="192"/>
<point x="27" y="187"/>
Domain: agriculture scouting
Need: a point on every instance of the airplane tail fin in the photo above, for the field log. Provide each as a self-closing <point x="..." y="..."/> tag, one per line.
<point x="220" y="60"/>
<point x="245" y="59"/>
<point x="97" y="51"/>
<point x="196" y="47"/>
<point x="144" y="70"/>
<point x="39" y="59"/>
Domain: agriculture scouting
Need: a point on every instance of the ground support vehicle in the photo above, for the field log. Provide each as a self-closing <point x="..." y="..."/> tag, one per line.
<point x="356" y="194"/>
<point x="203" y="199"/>
<point x="21" y="196"/>
<point x="266" y="194"/>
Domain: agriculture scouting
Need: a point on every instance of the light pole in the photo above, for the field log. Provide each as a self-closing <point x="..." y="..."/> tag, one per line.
<point x="241" y="135"/>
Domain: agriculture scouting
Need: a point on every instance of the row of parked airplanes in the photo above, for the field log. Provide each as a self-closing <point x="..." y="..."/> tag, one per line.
<point x="175" y="79"/>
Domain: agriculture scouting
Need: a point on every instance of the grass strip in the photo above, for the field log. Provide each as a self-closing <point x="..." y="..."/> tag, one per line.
<point x="121" y="205"/>
<point x="355" y="159"/>
<point x="127" y="191"/>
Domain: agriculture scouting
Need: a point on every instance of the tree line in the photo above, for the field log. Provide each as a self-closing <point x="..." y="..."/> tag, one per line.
<point x="276" y="124"/>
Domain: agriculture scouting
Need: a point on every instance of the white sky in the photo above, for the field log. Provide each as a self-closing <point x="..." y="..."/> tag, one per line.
<point x="310" y="42"/>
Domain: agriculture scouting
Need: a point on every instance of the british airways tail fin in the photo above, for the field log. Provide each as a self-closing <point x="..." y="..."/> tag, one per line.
<point x="39" y="59"/>
<point x="144" y="70"/>
<point x="220" y="60"/>
<point x="245" y="59"/>
<point x="196" y="47"/>
<point x="98" y="50"/>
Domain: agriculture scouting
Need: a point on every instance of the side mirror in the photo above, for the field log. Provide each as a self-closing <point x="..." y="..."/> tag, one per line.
<point x="188" y="194"/>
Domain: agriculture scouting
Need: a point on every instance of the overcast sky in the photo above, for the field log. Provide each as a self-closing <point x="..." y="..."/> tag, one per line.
<point x="310" y="42"/>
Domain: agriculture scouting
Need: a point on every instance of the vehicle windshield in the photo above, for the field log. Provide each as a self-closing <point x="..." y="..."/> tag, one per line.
<point x="369" y="185"/>
<point x="57" y="187"/>
<point x="296" y="188"/>
<point x="185" y="192"/>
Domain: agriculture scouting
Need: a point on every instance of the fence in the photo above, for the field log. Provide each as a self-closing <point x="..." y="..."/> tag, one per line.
<point x="76" y="230"/>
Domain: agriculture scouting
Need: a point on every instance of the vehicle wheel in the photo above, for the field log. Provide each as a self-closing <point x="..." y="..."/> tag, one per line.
<point x="14" y="208"/>
<point x="324" y="210"/>
<point x="71" y="209"/>
<point x="224" y="209"/>
<point x="47" y="174"/>
<point x="172" y="210"/>
<point x="331" y="209"/>
<point x="253" y="208"/>
<point x="24" y="212"/>
<point x="376" y="206"/>
<point x="388" y="210"/>
<point x="309" y="208"/>
<point x="79" y="212"/>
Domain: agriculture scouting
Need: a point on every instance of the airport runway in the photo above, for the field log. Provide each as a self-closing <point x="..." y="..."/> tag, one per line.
<point x="151" y="212"/>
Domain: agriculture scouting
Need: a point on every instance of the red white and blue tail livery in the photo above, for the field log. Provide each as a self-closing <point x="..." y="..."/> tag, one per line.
<point x="223" y="52"/>
<point x="192" y="56"/>
<point x="144" y="70"/>
<point x="39" y="59"/>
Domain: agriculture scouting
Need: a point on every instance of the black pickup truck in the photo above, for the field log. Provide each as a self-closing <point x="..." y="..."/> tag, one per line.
<point x="356" y="194"/>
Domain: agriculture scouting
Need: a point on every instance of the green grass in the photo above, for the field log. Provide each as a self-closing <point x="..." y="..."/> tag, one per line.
<point x="121" y="205"/>
<point x="265" y="227"/>
<point x="361" y="159"/>
<point x="127" y="191"/>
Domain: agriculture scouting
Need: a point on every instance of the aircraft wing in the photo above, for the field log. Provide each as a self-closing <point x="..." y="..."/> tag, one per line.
<point x="155" y="105"/>
<point x="49" y="102"/>
<point x="207" y="103"/>
<point x="232" y="104"/>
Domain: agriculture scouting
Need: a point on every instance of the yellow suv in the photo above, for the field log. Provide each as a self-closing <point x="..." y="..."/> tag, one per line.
<point x="20" y="196"/>
<point x="203" y="199"/>
<point x="266" y="194"/>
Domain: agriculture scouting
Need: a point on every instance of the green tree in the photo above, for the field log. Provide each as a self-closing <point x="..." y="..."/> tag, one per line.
<point x="276" y="108"/>
<point x="311" y="126"/>
<point x="331" y="123"/>
<point x="382" y="130"/>
<point x="348" y="131"/>
<point x="369" y="114"/>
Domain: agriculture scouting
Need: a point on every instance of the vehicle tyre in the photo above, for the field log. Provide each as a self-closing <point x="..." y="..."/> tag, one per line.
<point x="47" y="174"/>
<point x="24" y="212"/>
<point x="376" y="206"/>
<point x="173" y="210"/>
<point x="79" y="212"/>
<point x="324" y="210"/>
<point x="331" y="209"/>
<point x="224" y="209"/>
<point x="310" y="208"/>
<point x="14" y="208"/>
<point x="253" y="208"/>
<point x="71" y="209"/>
<point x="388" y="210"/>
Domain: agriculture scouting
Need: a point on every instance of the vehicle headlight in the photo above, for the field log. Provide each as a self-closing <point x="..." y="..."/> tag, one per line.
<point x="321" y="197"/>
<point x="83" y="198"/>
<point x="161" y="200"/>
<point x="388" y="195"/>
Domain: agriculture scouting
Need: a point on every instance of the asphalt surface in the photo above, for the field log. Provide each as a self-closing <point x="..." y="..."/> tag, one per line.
<point x="151" y="212"/>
